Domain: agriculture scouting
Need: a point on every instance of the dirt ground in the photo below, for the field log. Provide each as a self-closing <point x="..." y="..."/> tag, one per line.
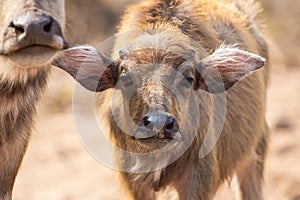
<point x="57" y="166"/>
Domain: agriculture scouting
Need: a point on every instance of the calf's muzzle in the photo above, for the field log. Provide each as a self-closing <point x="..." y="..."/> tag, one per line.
<point x="158" y="126"/>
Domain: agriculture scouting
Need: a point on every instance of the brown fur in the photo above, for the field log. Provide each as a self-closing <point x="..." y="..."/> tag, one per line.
<point x="160" y="41"/>
<point x="21" y="87"/>
<point x="242" y="145"/>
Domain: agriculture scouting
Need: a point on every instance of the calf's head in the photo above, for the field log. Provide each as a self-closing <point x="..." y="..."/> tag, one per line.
<point x="158" y="87"/>
<point x="31" y="31"/>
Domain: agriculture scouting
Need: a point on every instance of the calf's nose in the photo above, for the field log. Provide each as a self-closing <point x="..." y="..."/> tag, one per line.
<point x="157" y="122"/>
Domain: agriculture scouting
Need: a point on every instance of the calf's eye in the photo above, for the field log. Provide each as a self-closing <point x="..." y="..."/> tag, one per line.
<point x="126" y="80"/>
<point x="188" y="81"/>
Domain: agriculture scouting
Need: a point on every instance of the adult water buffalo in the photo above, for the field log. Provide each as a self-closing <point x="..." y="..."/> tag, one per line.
<point x="30" y="35"/>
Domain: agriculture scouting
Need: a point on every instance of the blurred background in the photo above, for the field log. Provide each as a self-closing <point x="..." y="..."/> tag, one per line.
<point x="57" y="166"/>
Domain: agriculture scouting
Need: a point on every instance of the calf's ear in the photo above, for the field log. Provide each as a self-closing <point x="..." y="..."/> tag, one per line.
<point x="224" y="67"/>
<point x="91" y="69"/>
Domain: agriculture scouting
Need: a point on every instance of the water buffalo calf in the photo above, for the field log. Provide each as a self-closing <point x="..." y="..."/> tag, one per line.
<point x="156" y="96"/>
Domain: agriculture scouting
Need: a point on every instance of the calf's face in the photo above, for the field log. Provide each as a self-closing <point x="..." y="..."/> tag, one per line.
<point x="158" y="87"/>
<point x="31" y="30"/>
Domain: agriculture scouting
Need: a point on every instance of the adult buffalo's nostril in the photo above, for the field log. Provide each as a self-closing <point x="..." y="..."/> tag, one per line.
<point x="18" y="29"/>
<point x="47" y="27"/>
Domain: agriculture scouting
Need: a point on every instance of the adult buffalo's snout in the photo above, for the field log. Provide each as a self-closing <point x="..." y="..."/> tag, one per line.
<point x="33" y="29"/>
<point x="34" y="25"/>
<point x="163" y="125"/>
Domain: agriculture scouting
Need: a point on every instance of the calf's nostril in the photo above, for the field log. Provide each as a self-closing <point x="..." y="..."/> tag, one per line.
<point x="170" y="125"/>
<point x="146" y="121"/>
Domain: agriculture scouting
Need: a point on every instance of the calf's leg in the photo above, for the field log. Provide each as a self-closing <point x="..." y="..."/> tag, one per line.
<point x="250" y="177"/>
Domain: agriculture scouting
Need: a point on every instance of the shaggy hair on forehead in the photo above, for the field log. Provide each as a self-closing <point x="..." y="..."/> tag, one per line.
<point x="150" y="55"/>
<point x="160" y="43"/>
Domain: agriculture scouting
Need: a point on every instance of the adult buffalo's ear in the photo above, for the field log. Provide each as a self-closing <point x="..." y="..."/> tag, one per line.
<point x="224" y="67"/>
<point x="91" y="69"/>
